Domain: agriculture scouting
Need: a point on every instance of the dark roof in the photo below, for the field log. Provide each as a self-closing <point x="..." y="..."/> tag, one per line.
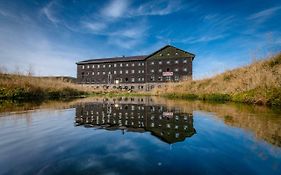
<point x="191" y="54"/>
<point x="114" y="59"/>
<point x="129" y="58"/>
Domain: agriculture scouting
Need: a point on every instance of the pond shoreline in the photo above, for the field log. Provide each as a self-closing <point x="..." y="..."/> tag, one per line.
<point x="213" y="97"/>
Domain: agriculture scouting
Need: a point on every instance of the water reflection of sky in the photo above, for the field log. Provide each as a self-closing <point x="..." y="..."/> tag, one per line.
<point x="50" y="143"/>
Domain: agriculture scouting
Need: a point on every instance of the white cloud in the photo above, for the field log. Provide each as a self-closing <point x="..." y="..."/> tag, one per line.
<point x="95" y="26"/>
<point x="264" y="14"/>
<point x="161" y="7"/>
<point x="49" y="12"/>
<point x="206" y="38"/>
<point x="115" y="9"/>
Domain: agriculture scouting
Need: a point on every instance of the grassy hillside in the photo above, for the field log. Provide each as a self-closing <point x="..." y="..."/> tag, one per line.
<point x="258" y="83"/>
<point x="28" y="87"/>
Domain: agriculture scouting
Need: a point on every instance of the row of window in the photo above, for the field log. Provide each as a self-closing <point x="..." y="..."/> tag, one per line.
<point x="112" y="65"/>
<point x="130" y="64"/>
<point x="168" y="62"/>
<point x="168" y="70"/>
<point x="141" y="79"/>
<point x="115" y="72"/>
<point x="132" y="71"/>
<point x="168" y="78"/>
<point x="168" y="54"/>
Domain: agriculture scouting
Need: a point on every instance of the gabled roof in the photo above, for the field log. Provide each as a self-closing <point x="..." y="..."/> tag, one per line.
<point x="191" y="54"/>
<point x="130" y="58"/>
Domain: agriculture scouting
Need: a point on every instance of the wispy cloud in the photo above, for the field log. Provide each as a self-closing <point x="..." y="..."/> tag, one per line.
<point x="49" y="12"/>
<point x="115" y="9"/>
<point x="263" y="15"/>
<point x="161" y="7"/>
<point x="206" y="38"/>
<point x="95" y="26"/>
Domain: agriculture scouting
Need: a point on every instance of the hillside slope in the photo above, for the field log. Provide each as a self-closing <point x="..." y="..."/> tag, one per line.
<point x="28" y="87"/>
<point x="258" y="83"/>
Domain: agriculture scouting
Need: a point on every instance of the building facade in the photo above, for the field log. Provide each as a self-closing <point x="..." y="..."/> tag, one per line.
<point x="144" y="72"/>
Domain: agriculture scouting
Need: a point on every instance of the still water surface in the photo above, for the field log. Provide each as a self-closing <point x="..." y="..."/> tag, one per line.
<point x="140" y="135"/>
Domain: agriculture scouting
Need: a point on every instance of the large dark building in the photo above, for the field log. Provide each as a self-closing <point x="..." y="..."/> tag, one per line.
<point x="144" y="72"/>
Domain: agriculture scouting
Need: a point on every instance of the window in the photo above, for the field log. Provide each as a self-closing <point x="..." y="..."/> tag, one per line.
<point x="142" y="71"/>
<point x="139" y="64"/>
<point x="160" y="54"/>
<point x="133" y="64"/>
<point x="176" y="69"/>
<point x="98" y="73"/>
<point x="184" y="61"/>
<point x="160" y="62"/>
<point x="176" y="61"/>
<point x="160" y="70"/>
<point x="121" y="64"/>
<point x="168" y="62"/>
<point x="103" y="66"/>
<point x="120" y="72"/>
<point x="109" y="65"/>
<point x="126" y="71"/>
<point x="133" y="79"/>
<point x="168" y="78"/>
<point x="93" y="73"/>
<point x="152" y="63"/>
<point x="83" y="67"/>
<point x="109" y="72"/>
<point x="185" y="69"/>
<point x="142" y="64"/>
<point x="142" y="79"/>
<point x="98" y="66"/>
<point x="93" y="66"/>
<point x="177" y="53"/>
<point x="114" y="72"/>
<point x="176" y="78"/>
<point x="139" y="79"/>
<point x="152" y="78"/>
<point x="168" y="54"/>
<point x="160" y="78"/>
<point x="127" y="65"/>
<point x="88" y="67"/>
<point x="152" y="70"/>
<point x="114" y="65"/>
<point x="103" y="73"/>
<point x="133" y="71"/>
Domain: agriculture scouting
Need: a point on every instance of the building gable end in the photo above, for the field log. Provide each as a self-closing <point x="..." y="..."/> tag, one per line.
<point x="169" y="52"/>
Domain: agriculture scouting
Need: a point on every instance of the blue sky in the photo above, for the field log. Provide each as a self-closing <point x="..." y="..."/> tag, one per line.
<point x="50" y="36"/>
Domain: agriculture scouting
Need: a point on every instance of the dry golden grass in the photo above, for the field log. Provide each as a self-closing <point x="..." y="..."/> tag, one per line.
<point x="28" y="87"/>
<point x="28" y="82"/>
<point x="259" y="78"/>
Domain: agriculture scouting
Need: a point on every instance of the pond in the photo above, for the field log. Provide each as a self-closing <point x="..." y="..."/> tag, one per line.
<point x="139" y="135"/>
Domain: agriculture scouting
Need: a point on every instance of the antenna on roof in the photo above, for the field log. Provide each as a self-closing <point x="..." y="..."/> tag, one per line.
<point x="123" y="56"/>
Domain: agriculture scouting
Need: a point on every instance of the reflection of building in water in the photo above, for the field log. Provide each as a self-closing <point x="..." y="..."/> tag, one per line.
<point x="136" y="114"/>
